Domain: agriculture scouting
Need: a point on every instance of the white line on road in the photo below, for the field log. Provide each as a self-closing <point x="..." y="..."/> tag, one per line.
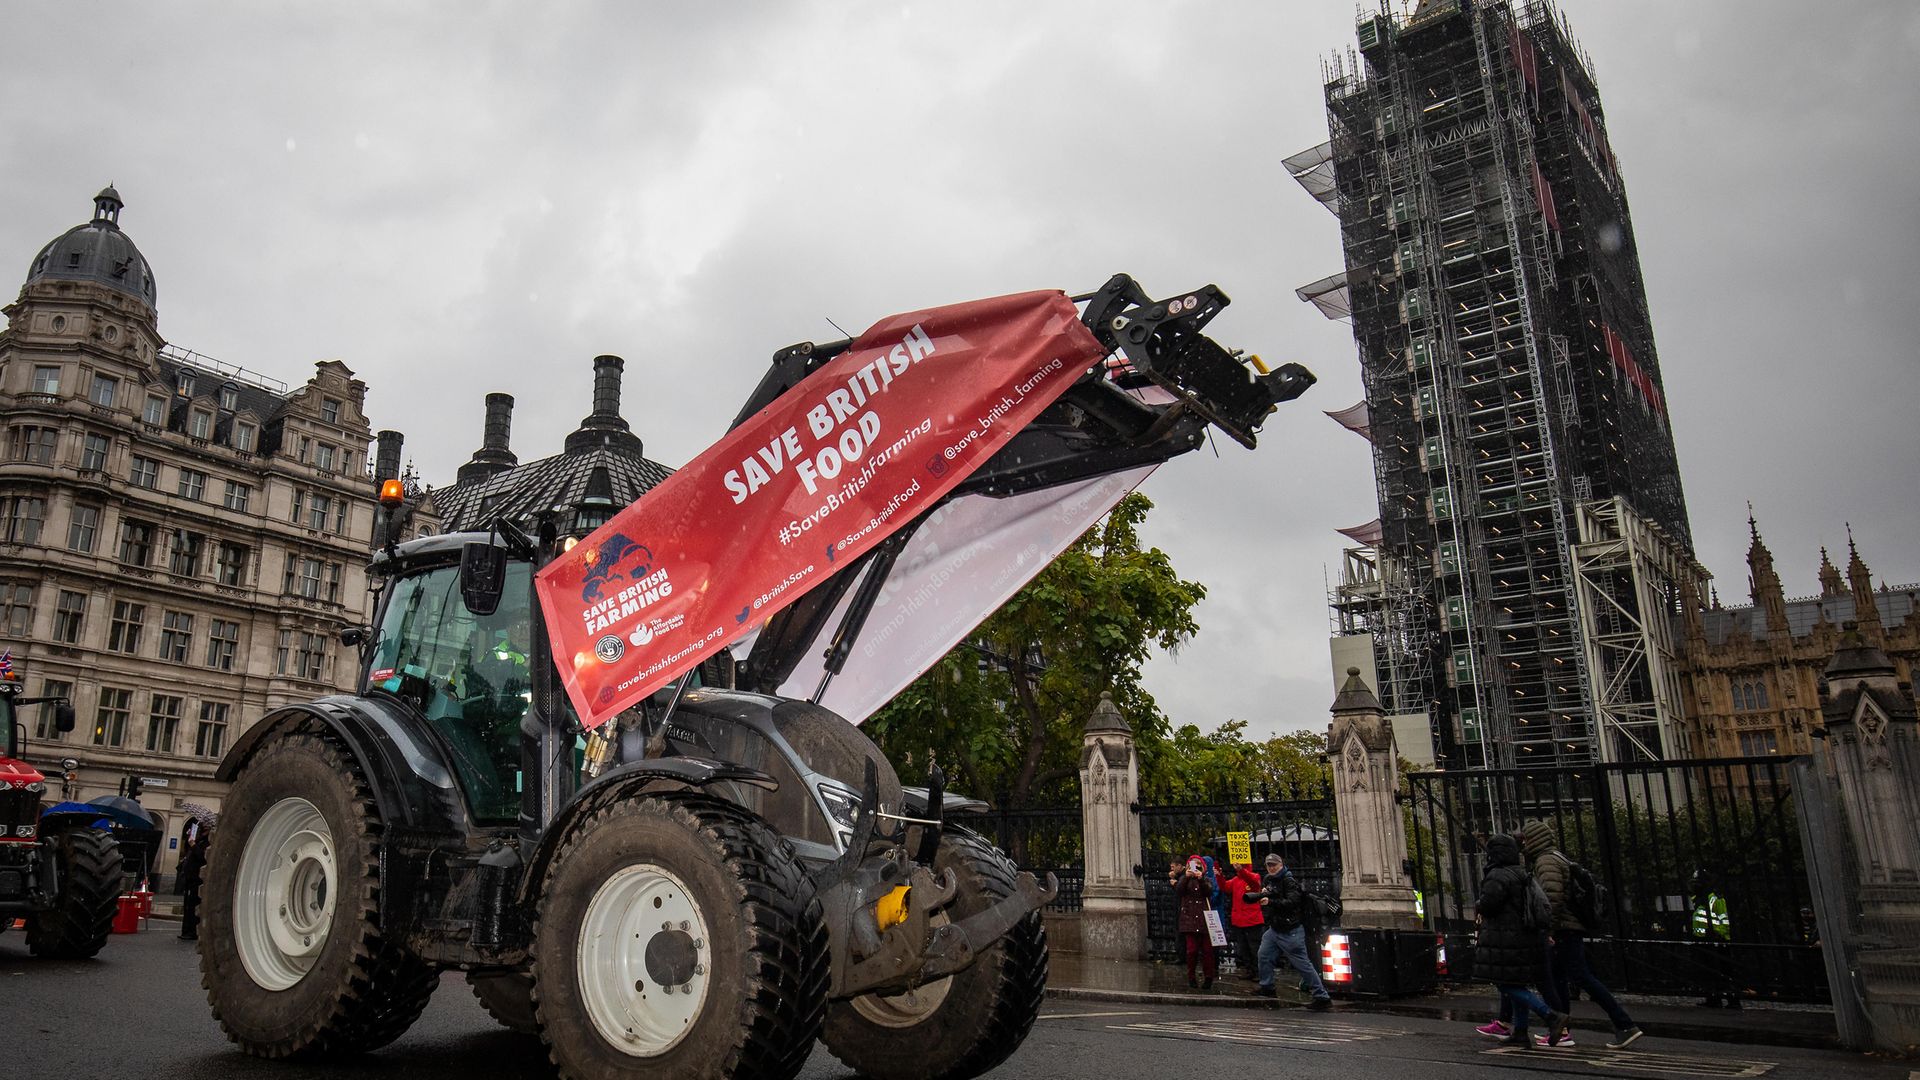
<point x="1296" y="1033"/>
<point x="1076" y="1016"/>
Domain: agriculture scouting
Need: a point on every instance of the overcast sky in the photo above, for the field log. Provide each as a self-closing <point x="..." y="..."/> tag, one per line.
<point x="459" y="198"/>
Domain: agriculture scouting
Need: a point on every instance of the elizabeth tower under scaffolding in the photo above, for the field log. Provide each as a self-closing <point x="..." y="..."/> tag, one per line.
<point x="1532" y="532"/>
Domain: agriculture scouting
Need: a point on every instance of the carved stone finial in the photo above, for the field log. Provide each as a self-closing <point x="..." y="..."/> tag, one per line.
<point x="1106" y="716"/>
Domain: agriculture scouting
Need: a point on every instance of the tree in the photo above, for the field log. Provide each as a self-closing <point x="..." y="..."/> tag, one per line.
<point x="1194" y="767"/>
<point x="1002" y="713"/>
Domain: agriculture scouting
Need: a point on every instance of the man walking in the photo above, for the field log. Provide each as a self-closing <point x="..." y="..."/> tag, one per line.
<point x="1573" y="915"/>
<point x="1284" y="903"/>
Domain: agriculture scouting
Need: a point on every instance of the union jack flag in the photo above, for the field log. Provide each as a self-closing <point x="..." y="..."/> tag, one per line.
<point x="6" y="664"/>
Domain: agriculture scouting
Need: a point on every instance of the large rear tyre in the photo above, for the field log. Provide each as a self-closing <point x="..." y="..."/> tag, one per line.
<point x="678" y="937"/>
<point x="78" y="924"/>
<point x="291" y="951"/>
<point x="960" y="1026"/>
<point x="507" y="997"/>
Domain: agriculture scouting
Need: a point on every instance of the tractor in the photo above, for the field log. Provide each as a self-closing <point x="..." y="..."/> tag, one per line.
<point x="706" y="884"/>
<point x="57" y="871"/>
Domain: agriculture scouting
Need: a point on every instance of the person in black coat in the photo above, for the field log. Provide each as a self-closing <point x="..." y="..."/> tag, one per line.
<point x="1510" y="953"/>
<point x="1284" y="903"/>
<point x="193" y="861"/>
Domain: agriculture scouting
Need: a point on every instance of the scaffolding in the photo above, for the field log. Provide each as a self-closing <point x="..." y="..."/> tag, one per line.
<point x="1631" y="577"/>
<point x="1494" y="292"/>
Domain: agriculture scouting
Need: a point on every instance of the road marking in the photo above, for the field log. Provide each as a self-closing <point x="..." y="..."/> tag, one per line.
<point x="1077" y="1016"/>
<point x="1643" y="1062"/>
<point x="1300" y="1031"/>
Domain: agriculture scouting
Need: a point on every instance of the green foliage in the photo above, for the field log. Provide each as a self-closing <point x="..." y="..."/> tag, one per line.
<point x="1002" y="714"/>
<point x="1193" y="767"/>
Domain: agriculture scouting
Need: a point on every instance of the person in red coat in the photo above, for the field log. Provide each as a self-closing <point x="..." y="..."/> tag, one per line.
<point x="1247" y="920"/>
<point x="1193" y="891"/>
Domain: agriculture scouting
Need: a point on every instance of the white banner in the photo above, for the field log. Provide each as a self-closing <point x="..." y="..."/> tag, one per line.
<point x="966" y="559"/>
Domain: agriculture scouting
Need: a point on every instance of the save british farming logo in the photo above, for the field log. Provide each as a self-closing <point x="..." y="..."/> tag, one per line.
<point x="620" y="562"/>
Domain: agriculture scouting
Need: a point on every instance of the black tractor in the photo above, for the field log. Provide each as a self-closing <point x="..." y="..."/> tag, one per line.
<point x="57" y="871"/>
<point x="701" y="887"/>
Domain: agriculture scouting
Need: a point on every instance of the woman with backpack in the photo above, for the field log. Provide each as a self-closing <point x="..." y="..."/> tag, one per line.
<point x="1574" y="897"/>
<point x="1513" y="915"/>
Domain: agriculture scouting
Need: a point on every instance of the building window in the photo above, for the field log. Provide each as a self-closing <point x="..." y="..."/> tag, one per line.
<point x="302" y="449"/>
<point x="323" y="456"/>
<point x="340" y="516"/>
<point x="200" y="424"/>
<point x="317" y="508"/>
<point x="243" y="437"/>
<point x="330" y="410"/>
<point x="299" y="504"/>
<point x="184" y="556"/>
<point x="43" y="726"/>
<point x="223" y="641"/>
<point x="103" y="391"/>
<point x="193" y="484"/>
<point x="59" y="321"/>
<point x="237" y="495"/>
<point x="176" y="636"/>
<point x="333" y="582"/>
<point x="303" y="577"/>
<point x="34" y="445"/>
<point x="110" y="724"/>
<point x="128" y="620"/>
<point x="1757" y="743"/>
<point x="154" y="412"/>
<point x="46" y="379"/>
<point x="232" y="564"/>
<point x="136" y="543"/>
<point x="211" y="740"/>
<point x="69" y="617"/>
<point x="229" y="397"/>
<point x="21" y="518"/>
<point x="145" y="473"/>
<point x="183" y="384"/>
<point x="282" y="653"/>
<point x="93" y="452"/>
<point x="311" y="657"/>
<point x="1749" y="696"/>
<point x="163" y="723"/>
<point x="82" y="527"/>
<point x="16" y="609"/>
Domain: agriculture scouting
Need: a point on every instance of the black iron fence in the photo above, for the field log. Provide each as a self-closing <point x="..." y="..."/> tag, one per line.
<point x="1296" y="824"/>
<point x="1040" y="840"/>
<point x="1658" y="836"/>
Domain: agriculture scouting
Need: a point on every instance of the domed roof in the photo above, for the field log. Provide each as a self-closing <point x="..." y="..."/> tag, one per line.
<point x="98" y="252"/>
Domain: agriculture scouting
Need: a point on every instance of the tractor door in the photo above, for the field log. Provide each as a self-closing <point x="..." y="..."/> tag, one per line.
<point x="467" y="674"/>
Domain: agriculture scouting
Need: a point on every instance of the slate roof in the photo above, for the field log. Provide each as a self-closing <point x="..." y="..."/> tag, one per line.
<point x="610" y="476"/>
<point x="98" y="252"/>
<point x="1896" y="606"/>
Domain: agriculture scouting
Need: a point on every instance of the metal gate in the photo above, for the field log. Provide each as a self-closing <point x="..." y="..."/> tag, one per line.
<point x="1300" y="828"/>
<point x="1655" y="834"/>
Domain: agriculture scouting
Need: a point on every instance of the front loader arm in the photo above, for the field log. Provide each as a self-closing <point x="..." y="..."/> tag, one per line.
<point x="1162" y="386"/>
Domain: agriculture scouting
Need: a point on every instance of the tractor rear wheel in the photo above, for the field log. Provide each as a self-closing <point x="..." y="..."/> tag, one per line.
<point x="291" y="951"/>
<point x="78" y="924"/>
<point x="962" y="1025"/>
<point x="678" y="937"/>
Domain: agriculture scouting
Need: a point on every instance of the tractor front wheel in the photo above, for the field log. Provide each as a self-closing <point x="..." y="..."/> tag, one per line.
<point x="678" y="937"/>
<point x="966" y="1023"/>
<point x="77" y="926"/>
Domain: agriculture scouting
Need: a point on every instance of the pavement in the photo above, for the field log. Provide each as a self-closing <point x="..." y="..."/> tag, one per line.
<point x="137" y="1011"/>
<point x="1077" y="978"/>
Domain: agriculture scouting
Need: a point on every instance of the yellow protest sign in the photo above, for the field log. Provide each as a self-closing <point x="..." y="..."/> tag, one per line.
<point x="1239" y="848"/>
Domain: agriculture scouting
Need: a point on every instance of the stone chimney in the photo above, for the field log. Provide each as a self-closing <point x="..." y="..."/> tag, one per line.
<point x="386" y="459"/>
<point x="604" y="426"/>
<point x="493" y="457"/>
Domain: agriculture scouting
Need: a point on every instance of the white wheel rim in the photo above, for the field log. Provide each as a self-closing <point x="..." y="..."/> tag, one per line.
<point x="914" y="1006"/>
<point x="644" y="962"/>
<point x="284" y="893"/>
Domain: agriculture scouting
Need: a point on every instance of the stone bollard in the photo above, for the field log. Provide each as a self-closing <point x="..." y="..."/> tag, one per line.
<point x="1113" y="920"/>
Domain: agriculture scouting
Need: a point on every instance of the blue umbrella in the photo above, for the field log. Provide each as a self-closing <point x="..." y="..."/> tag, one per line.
<point x="123" y="812"/>
<point x="99" y="818"/>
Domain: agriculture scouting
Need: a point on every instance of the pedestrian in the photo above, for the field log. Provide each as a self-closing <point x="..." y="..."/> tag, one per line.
<point x="1246" y="921"/>
<point x="193" y="860"/>
<point x="1513" y="940"/>
<point x="1573" y="915"/>
<point x="1713" y="935"/>
<point x="1283" y="903"/>
<point x="1193" y="891"/>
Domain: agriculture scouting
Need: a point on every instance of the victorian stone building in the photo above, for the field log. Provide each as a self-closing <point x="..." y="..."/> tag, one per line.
<point x="180" y="539"/>
<point x="1752" y="673"/>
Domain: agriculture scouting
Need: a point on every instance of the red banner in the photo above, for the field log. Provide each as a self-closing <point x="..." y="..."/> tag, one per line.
<point x="836" y="465"/>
